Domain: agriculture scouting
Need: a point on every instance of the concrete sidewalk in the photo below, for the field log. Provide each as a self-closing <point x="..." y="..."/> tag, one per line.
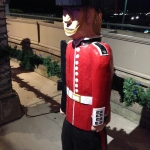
<point x="39" y="95"/>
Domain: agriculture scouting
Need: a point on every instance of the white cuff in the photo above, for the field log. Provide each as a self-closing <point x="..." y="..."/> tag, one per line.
<point x="98" y="116"/>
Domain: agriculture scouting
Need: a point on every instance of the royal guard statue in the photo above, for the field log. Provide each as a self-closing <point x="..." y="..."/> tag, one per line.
<point x="88" y="76"/>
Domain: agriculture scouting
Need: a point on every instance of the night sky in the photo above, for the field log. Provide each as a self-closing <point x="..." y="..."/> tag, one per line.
<point x="48" y="6"/>
<point x="135" y="5"/>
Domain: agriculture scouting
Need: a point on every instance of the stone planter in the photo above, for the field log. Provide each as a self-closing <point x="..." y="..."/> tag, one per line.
<point x="41" y="69"/>
<point x="135" y="113"/>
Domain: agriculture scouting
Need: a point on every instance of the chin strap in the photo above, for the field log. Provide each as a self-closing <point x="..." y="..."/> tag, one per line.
<point x="97" y="23"/>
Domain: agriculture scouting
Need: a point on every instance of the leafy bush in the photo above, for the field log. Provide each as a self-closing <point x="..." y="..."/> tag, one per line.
<point x="29" y="60"/>
<point x="15" y="11"/>
<point x="134" y="92"/>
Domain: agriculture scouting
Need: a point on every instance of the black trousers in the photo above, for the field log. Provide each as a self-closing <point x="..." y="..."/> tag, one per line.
<point x="77" y="139"/>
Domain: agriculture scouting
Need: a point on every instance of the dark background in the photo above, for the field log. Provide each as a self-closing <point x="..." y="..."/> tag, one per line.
<point x="48" y="6"/>
<point x="36" y="6"/>
<point x="135" y="5"/>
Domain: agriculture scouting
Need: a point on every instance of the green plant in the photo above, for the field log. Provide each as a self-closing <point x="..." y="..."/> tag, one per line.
<point x="134" y="92"/>
<point x="52" y="67"/>
<point x="29" y="60"/>
<point x="16" y="11"/>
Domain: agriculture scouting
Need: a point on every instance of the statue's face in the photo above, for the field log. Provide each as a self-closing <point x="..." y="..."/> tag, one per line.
<point x="72" y="19"/>
<point x="81" y="22"/>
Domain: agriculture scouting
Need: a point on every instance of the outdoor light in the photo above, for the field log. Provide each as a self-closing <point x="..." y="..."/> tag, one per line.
<point x="147" y="31"/>
<point x="132" y="18"/>
<point x="148" y="14"/>
<point x="137" y="17"/>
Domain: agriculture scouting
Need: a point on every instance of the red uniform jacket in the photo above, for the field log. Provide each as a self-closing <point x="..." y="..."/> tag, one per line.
<point x="89" y="72"/>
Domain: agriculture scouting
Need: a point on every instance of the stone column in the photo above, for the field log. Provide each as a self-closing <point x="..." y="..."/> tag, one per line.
<point x="9" y="100"/>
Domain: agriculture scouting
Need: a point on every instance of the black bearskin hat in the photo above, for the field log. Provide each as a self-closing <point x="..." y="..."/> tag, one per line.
<point x="98" y="4"/>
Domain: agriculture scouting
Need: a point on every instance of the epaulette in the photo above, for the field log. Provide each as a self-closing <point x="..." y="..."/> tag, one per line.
<point x="102" y="50"/>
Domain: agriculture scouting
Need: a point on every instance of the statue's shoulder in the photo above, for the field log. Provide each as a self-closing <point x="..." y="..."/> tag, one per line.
<point x="103" y="48"/>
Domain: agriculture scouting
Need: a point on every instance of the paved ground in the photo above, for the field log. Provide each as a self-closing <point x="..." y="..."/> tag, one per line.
<point x="39" y="95"/>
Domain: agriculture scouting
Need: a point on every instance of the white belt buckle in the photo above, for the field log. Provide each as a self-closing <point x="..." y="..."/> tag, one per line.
<point x="76" y="97"/>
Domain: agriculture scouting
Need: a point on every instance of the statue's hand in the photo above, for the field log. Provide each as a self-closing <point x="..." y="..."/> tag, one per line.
<point x="62" y="112"/>
<point x="98" y="128"/>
